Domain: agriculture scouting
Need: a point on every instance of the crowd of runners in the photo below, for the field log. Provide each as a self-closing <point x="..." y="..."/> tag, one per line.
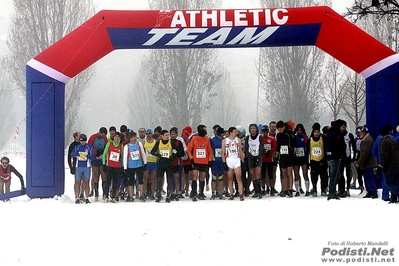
<point x="233" y="163"/>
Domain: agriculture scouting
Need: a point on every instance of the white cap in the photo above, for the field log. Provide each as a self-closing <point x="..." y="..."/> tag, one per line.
<point x="239" y="128"/>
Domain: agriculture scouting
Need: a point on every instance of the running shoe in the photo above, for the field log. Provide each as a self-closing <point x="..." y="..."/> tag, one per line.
<point x="167" y="200"/>
<point x="231" y="197"/>
<point x="114" y="200"/>
<point x="307" y="194"/>
<point x="87" y="201"/>
<point x="242" y="197"/>
<point x="77" y="201"/>
<point x="213" y="197"/>
<point x="301" y="190"/>
<point x="194" y="198"/>
<point x="297" y="194"/>
<point x="106" y="200"/>
<point x="221" y="197"/>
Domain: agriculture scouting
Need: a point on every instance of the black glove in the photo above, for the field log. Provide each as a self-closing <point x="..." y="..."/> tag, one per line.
<point x="73" y="170"/>
<point x="99" y="153"/>
<point x="23" y="190"/>
<point x="226" y="168"/>
<point x="105" y="168"/>
<point x="145" y="167"/>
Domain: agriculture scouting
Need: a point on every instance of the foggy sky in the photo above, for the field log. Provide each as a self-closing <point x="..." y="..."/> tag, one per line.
<point x="102" y="101"/>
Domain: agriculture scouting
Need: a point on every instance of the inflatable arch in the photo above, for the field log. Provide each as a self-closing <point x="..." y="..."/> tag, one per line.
<point x="49" y="71"/>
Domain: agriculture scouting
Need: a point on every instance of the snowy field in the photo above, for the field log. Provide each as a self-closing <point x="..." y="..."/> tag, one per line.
<point x="270" y="231"/>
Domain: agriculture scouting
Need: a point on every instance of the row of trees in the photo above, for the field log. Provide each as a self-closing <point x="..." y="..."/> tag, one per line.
<point x="186" y="87"/>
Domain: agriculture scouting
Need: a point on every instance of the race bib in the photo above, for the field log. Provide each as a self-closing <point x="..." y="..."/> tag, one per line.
<point x="300" y="152"/>
<point x="114" y="156"/>
<point x="267" y="147"/>
<point x="218" y="152"/>
<point x="316" y="152"/>
<point x="284" y="149"/>
<point x="232" y="151"/>
<point x="135" y="155"/>
<point x="82" y="156"/>
<point x="254" y="151"/>
<point x="200" y="153"/>
<point x="164" y="153"/>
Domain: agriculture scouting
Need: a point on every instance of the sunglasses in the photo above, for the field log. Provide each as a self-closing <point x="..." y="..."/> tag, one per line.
<point x="4" y="163"/>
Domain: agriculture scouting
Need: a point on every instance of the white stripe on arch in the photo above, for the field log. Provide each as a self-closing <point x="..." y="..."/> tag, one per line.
<point x="51" y="72"/>
<point x="384" y="63"/>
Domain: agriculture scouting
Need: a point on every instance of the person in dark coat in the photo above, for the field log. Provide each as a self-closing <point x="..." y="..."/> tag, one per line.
<point x="389" y="158"/>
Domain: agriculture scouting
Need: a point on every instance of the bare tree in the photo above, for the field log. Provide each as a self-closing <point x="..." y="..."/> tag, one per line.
<point x="183" y="79"/>
<point x="377" y="8"/>
<point x="224" y="108"/>
<point x="141" y="100"/>
<point x="36" y="24"/>
<point x="6" y="115"/>
<point x="331" y="85"/>
<point x="355" y="98"/>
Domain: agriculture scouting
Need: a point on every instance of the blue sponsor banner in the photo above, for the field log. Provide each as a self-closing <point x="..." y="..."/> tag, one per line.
<point x="287" y="35"/>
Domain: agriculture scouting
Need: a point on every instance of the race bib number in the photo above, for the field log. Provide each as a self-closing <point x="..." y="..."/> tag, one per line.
<point x="233" y="151"/>
<point x="284" y="149"/>
<point x="200" y="153"/>
<point x="300" y="152"/>
<point x="316" y="152"/>
<point x="267" y="147"/>
<point x="82" y="156"/>
<point x="218" y="152"/>
<point x="164" y="153"/>
<point x="135" y="155"/>
<point x="254" y="151"/>
<point x="114" y="156"/>
<point x="148" y="153"/>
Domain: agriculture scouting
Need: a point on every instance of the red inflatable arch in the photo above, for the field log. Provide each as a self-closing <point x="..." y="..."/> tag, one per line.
<point x="50" y="70"/>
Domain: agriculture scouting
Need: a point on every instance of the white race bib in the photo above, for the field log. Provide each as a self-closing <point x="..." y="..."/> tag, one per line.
<point x="218" y="152"/>
<point x="200" y="153"/>
<point x="300" y="152"/>
<point x="114" y="156"/>
<point x="232" y="151"/>
<point x="284" y="149"/>
<point x="316" y="152"/>
<point x="267" y="147"/>
<point x="164" y="153"/>
<point x="135" y="155"/>
<point x="254" y="151"/>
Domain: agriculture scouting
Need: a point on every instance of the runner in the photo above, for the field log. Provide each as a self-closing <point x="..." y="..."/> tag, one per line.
<point x="166" y="151"/>
<point x="316" y="148"/>
<point x="177" y="162"/>
<point x="98" y="142"/>
<point x="84" y="154"/>
<point x="286" y="148"/>
<point x="268" y="170"/>
<point x="254" y="150"/>
<point x="200" y="155"/>
<point x="301" y="159"/>
<point x="149" y="185"/>
<point x="134" y="163"/>
<point x="5" y="176"/>
<point x="217" y="168"/>
<point x="112" y="158"/>
<point x="232" y="156"/>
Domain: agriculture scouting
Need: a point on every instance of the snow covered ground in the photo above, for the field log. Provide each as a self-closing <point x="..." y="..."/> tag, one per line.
<point x="283" y="231"/>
